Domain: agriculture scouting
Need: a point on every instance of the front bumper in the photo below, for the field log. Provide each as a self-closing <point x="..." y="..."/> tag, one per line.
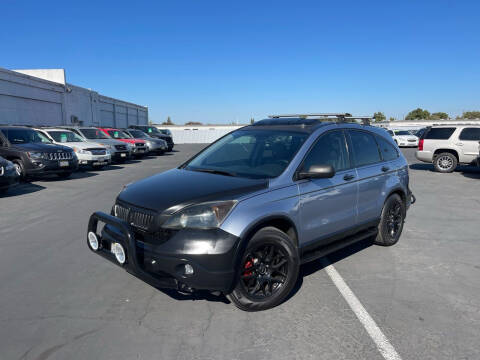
<point x="48" y="167"/>
<point x="139" y="150"/>
<point x="120" y="155"/>
<point x="94" y="160"/>
<point x="8" y="178"/>
<point x="211" y="253"/>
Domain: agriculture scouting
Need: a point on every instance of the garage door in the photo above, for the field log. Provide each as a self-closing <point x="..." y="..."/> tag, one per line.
<point x="22" y="111"/>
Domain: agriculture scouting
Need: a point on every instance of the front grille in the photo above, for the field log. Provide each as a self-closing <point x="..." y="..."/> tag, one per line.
<point x="411" y="140"/>
<point x="121" y="147"/>
<point x="139" y="144"/>
<point x="97" y="151"/>
<point x="141" y="219"/>
<point x="59" y="156"/>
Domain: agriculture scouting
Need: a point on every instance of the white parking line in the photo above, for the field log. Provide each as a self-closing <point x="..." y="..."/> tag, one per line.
<point x="383" y="345"/>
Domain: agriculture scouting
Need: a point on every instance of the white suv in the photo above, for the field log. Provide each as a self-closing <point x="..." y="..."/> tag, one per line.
<point x="403" y="137"/>
<point x="88" y="153"/>
<point x="449" y="145"/>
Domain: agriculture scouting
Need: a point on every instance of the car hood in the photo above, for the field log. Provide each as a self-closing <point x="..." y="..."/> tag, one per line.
<point x="105" y="141"/>
<point x="81" y="145"/>
<point x="41" y="147"/>
<point x="174" y="189"/>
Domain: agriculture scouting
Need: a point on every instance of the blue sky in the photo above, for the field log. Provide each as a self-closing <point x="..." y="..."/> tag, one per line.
<point x="224" y="61"/>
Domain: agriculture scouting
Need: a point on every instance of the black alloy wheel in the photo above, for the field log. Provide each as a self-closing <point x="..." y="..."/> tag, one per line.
<point x="392" y="220"/>
<point x="267" y="271"/>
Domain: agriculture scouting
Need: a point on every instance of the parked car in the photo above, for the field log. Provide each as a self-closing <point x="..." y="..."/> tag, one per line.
<point x="154" y="145"/>
<point x="154" y="132"/>
<point x="88" y="154"/>
<point x="137" y="146"/>
<point x="449" y="145"/>
<point x="8" y="175"/>
<point x="120" y="151"/>
<point x="33" y="154"/>
<point x="403" y="138"/>
<point x="244" y="213"/>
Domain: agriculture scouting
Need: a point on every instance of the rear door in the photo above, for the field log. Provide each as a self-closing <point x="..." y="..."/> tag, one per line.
<point x="468" y="143"/>
<point x="327" y="206"/>
<point x="371" y="175"/>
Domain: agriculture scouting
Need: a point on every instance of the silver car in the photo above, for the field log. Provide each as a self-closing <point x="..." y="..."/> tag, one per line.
<point x="243" y="214"/>
<point x="448" y="146"/>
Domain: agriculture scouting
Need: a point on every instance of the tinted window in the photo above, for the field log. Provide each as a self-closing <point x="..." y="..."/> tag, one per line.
<point x="387" y="150"/>
<point x="439" y="133"/>
<point x="470" y="134"/>
<point x="365" y="149"/>
<point x="250" y="153"/>
<point x="93" y="134"/>
<point x="330" y="149"/>
<point x="402" y="132"/>
<point x="22" y="136"/>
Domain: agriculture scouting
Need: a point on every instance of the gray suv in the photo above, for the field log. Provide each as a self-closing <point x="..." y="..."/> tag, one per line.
<point x="242" y="215"/>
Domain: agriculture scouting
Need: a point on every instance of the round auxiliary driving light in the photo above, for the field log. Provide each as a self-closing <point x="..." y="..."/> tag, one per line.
<point x="188" y="269"/>
<point x="119" y="253"/>
<point x="93" y="241"/>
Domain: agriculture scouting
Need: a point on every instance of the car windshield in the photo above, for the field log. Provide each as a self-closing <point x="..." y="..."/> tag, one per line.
<point x="249" y="153"/>
<point x="65" y="136"/>
<point x="138" y="134"/>
<point x="165" y="131"/>
<point x="402" y="132"/>
<point x="118" y="134"/>
<point x="22" y="136"/>
<point x="152" y="130"/>
<point x="94" y="134"/>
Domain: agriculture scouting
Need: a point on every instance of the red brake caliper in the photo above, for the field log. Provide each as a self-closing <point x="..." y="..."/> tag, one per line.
<point x="247" y="266"/>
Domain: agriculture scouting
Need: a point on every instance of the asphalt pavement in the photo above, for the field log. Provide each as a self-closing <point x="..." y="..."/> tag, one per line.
<point x="60" y="301"/>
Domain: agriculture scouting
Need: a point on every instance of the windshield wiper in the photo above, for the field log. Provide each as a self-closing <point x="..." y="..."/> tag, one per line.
<point x="213" y="171"/>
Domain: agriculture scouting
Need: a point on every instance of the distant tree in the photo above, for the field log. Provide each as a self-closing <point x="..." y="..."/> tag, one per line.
<point x="193" y="123"/>
<point x="252" y="120"/>
<point x="392" y="118"/>
<point x="379" y="116"/>
<point x="439" y="115"/>
<point x="168" y="122"/>
<point x="418" y="114"/>
<point x="471" y="115"/>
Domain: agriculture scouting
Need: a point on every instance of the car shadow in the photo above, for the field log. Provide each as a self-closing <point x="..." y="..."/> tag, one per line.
<point x="316" y="265"/>
<point x="467" y="171"/>
<point x="81" y="174"/>
<point x="198" y="295"/>
<point x="22" y="189"/>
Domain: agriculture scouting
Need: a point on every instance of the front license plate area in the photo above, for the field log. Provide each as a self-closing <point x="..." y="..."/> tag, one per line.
<point x="64" y="164"/>
<point x="123" y="155"/>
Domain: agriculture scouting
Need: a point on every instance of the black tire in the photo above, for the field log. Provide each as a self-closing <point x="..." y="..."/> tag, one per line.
<point x="445" y="162"/>
<point x="391" y="222"/>
<point x="3" y="191"/>
<point x="268" y="271"/>
<point x="19" y="169"/>
<point x="64" y="175"/>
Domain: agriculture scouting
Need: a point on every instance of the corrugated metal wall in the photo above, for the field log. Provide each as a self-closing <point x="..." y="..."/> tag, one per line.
<point x="198" y="135"/>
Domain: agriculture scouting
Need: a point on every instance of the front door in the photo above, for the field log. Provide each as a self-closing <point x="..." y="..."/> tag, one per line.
<point x="327" y="206"/>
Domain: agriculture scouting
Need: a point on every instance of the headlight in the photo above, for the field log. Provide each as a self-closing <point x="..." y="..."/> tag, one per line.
<point x="35" y="155"/>
<point x="81" y="151"/>
<point x="201" y="216"/>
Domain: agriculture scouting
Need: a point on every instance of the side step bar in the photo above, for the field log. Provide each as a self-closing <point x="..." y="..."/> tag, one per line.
<point x="337" y="245"/>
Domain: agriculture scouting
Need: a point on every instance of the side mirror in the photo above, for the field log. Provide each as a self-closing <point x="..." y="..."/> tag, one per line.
<point x="317" y="172"/>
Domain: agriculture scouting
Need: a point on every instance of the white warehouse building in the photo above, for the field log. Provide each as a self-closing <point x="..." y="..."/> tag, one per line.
<point x="43" y="97"/>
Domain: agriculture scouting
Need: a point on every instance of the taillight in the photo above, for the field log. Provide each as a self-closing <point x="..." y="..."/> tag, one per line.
<point x="420" y="145"/>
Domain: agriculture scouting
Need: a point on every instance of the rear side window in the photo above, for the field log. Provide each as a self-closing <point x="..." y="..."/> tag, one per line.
<point x="470" y="134"/>
<point x="387" y="150"/>
<point x="439" y="133"/>
<point x="365" y="149"/>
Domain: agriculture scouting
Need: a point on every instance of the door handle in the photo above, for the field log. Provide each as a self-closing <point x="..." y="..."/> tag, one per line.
<point x="385" y="168"/>
<point x="348" y="177"/>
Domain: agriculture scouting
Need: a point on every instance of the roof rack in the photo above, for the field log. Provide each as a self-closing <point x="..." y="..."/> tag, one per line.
<point x="336" y="117"/>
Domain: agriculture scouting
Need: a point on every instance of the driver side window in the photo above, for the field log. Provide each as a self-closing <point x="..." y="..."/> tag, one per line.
<point x="330" y="149"/>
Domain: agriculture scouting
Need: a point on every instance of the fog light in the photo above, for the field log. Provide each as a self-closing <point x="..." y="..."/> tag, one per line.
<point x="93" y="241"/>
<point x="119" y="252"/>
<point x="188" y="269"/>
